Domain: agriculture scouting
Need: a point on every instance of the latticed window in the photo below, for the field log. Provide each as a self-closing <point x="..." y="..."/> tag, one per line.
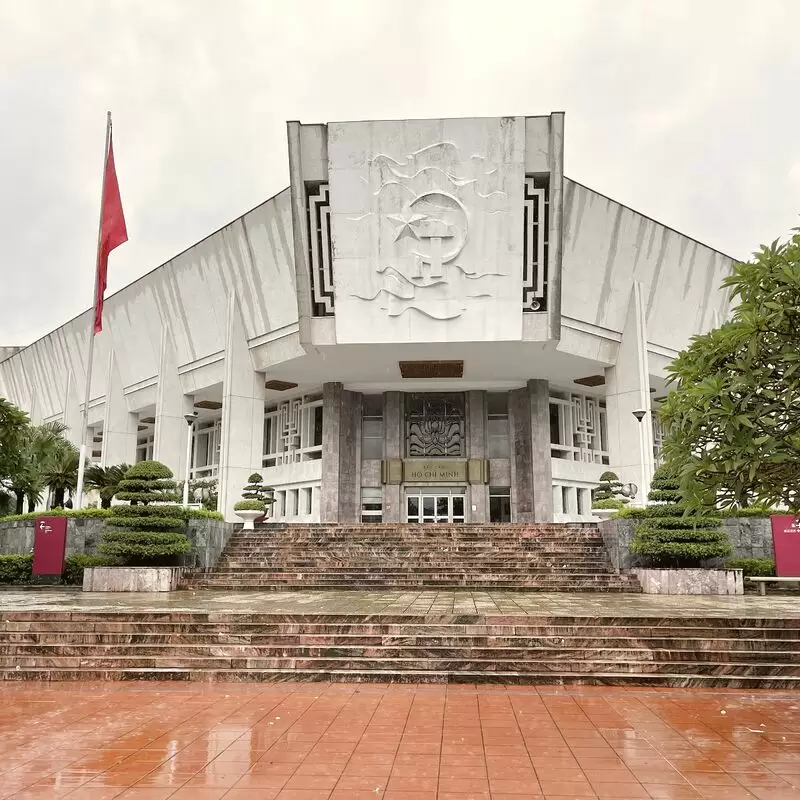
<point x="293" y="431"/>
<point x="578" y="428"/>
<point x="434" y="425"/>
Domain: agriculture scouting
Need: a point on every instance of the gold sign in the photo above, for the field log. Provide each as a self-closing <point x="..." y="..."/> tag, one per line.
<point x="426" y="471"/>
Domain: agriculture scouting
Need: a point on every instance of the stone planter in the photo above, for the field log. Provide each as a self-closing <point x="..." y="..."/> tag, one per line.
<point x="249" y="517"/>
<point x="690" y="581"/>
<point x="604" y="513"/>
<point x="131" y="579"/>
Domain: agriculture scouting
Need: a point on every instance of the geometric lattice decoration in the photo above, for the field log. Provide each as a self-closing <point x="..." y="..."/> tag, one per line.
<point x="434" y="425"/>
<point x="293" y="431"/>
<point x="578" y="428"/>
<point x="320" y="249"/>
<point x="535" y="244"/>
<point x="658" y="439"/>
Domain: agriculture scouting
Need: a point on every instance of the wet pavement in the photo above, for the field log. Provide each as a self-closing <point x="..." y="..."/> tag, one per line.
<point x="346" y="742"/>
<point x="412" y="603"/>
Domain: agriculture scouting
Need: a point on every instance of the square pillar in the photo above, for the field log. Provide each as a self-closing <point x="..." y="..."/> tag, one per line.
<point x="478" y="498"/>
<point x="519" y="423"/>
<point x="392" y="448"/>
<point x="542" y="479"/>
<point x="341" y="454"/>
<point x="531" y="469"/>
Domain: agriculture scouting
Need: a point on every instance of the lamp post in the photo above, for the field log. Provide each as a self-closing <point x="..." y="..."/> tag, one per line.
<point x="190" y="420"/>
<point x="640" y="414"/>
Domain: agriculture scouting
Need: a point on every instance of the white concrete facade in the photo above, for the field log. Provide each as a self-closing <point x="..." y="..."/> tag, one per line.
<point x="398" y="246"/>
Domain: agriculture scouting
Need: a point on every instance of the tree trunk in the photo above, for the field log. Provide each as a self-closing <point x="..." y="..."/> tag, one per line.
<point x="31" y="506"/>
<point x="20" y="501"/>
<point x="105" y="502"/>
<point x="58" y="498"/>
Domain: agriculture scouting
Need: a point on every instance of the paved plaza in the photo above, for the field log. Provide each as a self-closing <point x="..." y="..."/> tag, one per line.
<point x="145" y="741"/>
<point x="410" y="603"/>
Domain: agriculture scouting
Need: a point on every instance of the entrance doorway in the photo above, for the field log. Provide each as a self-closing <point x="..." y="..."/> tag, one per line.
<point x="435" y="505"/>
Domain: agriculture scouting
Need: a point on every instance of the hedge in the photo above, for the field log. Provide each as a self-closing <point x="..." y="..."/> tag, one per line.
<point x="17" y="569"/>
<point x="753" y="567"/>
<point x="95" y="513"/>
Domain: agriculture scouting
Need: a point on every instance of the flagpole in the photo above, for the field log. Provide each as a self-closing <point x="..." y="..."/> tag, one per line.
<point x="91" y="334"/>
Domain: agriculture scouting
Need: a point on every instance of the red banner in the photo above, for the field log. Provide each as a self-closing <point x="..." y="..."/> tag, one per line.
<point x="786" y="543"/>
<point x="49" y="545"/>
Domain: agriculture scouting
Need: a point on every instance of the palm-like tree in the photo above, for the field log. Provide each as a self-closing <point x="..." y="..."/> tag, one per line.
<point x="105" y="480"/>
<point x="61" y="474"/>
<point x="41" y="447"/>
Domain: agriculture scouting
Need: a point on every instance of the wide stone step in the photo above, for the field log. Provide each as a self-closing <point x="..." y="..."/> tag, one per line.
<point x="11" y="654"/>
<point x="745" y="641"/>
<point x="407" y="665"/>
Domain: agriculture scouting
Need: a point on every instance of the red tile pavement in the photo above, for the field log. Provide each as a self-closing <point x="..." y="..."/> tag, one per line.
<point x="143" y="741"/>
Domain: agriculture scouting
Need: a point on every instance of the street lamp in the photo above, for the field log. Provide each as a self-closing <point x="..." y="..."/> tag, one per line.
<point x="190" y="420"/>
<point x="640" y="414"/>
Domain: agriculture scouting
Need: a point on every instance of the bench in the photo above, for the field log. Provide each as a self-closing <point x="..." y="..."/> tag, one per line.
<point x="762" y="582"/>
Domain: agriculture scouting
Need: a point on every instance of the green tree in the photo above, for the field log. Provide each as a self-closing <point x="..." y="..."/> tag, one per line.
<point x="151" y="530"/>
<point x="733" y="423"/>
<point x="13" y="424"/>
<point x="105" y="480"/>
<point x="604" y="495"/>
<point x="669" y="536"/>
<point x="42" y="449"/>
<point x="61" y="472"/>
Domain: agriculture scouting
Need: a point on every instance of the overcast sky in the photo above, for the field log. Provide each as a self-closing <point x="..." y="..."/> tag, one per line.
<point x="686" y="111"/>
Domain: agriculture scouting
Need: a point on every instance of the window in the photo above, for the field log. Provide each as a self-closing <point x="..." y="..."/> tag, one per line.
<point x="578" y="430"/>
<point x="144" y="446"/>
<point x="434" y="425"/>
<point x="306" y="496"/>
<point x="293" y="431"/>
<point x="372" y="426"/>
<point x="497" y="425"/>
<point x="371" y="505"/>
<point x="499" y="504"/>
<point x="205" y="448"/>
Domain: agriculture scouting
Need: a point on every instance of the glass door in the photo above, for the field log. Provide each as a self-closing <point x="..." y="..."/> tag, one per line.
<point x="434" y="506"/>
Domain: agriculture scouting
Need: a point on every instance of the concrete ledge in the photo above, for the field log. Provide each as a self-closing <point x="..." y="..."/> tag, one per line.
<point x="131" y="579"/>
<point x="690" y="581"/>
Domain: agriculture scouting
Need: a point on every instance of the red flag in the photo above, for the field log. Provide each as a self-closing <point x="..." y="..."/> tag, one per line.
<point x="113" y="232"/>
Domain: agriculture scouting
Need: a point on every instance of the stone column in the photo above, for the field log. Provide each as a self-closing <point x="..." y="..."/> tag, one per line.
<point x="393" y="448"/>
<point x="542" y="480"/>
<point x="519" y="422"/>
<point x="478" y="498"/>
<point x="341" y="454"/>
<point x="243" y="395"/>
<point x="169" y="444"/>
<point x="119" y="425"/>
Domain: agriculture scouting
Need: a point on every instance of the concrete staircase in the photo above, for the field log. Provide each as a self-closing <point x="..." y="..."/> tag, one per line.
<point x="235" y="646"/>
<point x="548" y="558"/>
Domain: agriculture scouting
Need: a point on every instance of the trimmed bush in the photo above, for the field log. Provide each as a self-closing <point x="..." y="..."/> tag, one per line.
<point x="249" y="505"/>
<point x="16" y="568"/>
<point x="670" y="537"/>
<point x="608" y="488"/>
<point x="149" y="532"/>
<point x="609" y="502"/>
<point x="753" y="567"/>
<point x="73" y="513"/>
<point x="75" y="565"/>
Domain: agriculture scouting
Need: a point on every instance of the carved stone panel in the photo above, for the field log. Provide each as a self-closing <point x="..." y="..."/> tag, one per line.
<point x="427" y="229"/>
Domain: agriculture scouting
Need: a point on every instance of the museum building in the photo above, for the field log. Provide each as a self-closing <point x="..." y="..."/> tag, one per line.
<point x="431" y="324"/>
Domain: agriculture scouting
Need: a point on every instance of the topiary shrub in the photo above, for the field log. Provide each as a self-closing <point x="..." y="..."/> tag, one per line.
<point x="147" y="532"/>
<point x="609" y="502"/>
<point x="668" y="536"/>
<point x="604" y="495"/>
